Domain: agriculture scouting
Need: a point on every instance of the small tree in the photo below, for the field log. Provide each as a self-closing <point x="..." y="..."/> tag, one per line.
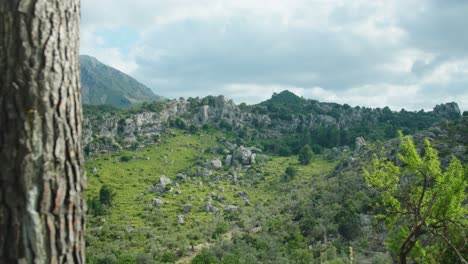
<point x="106" y="195"/>
<point x="305" y="155"/>
<point x="421" y="201"/>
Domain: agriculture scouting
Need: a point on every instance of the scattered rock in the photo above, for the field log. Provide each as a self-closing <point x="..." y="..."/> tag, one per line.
<point x="157" y="202"/>
<point x="180" y="219"/>
<point x="205" y="172"/>
<point x="94" y="170"/>
<point x="228" y="161"/>
<point x="191" y="198"/>
<point x="220" y="199"/>
<point x="242" y="194"/>
<point x="149" y="208"/>
<point x="181" y="176"/>
<point x="187" y="208"/>
<point x="176" y="185"/>
<point x="216" y="164"/>
<point x="210" y="208"/>
<point x="230" y="208"/>
<point x="243" y="155"/>
<point x="164" y="180"/>
<point x="247" y="202"/>
<point x="129" y="229"/>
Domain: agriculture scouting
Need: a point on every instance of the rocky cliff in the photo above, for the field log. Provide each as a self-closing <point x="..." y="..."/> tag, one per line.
<point x="113" y="130"/>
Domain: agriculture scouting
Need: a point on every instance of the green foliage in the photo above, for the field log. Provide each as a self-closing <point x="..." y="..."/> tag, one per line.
<point x="180" y="124"/>
<point x="125" y="159"/>
<point x="205" y="257"/>
<point x="106" y="195"/>
<point x="290" y="173"/>
<point x="420" y="200"/>
<point x="305" y="155"/>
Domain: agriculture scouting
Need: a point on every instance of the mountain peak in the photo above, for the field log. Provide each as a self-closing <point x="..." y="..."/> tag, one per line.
<point x="285" y="97"/>
<point x="102" y="84"/>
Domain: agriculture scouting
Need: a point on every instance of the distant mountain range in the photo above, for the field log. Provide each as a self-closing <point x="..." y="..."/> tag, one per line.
<point x="104" y="85"/>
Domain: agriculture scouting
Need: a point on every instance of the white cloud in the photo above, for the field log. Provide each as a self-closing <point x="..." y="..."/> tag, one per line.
<point x="409" y="54"/>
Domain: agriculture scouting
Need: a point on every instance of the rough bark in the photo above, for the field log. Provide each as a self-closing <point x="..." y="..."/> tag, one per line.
<point x="42" y="179"/>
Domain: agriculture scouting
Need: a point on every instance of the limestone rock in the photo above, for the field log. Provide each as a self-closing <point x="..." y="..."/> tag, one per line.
<point x="360" y="143"/>
<point x="164" y="180"/>
<point x="216" y="164"/>
<point x="230" y="208"/>
<point x="228" y="161"/>
<point x="180" y="219"/>
<point x="210" y="208"/>
<point x="205" y="172"/>
<point x="187" y="208"/>
<point x="157" y="202"/>
<point x="181" y="176"/>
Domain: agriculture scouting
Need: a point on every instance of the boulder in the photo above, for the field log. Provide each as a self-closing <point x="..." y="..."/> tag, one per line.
<point x="228" y="161"/>
<point x="210" y="208"/>
<point x="187" y="208"/>
<point x="205" y="173"/>
<point x="220" y="199"/>
<point x="243" y="155"/>
<point x="157" y="202"/>
<point x="94" y="170"/>
<point x="180" y="219"/>
<point x="252" y="158"/>
<point x="164" y="180"/>
<point x="242" y="194"/>
<point x="247" y="202"/>
<point x="216" y="164"/>
<point x="149" y="208"/>
<point x="230" y="208"/>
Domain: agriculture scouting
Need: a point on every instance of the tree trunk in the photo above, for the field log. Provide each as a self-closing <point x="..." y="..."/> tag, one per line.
<point x="42" y="178"/>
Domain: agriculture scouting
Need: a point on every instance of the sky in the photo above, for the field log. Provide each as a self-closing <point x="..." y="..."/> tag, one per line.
<point x="397" y="53"/>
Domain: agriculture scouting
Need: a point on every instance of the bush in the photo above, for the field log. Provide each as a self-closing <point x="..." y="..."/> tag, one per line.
<point x="205" y="257"/>
<point x="125" y="159"/>
<point x="106" y="195"/>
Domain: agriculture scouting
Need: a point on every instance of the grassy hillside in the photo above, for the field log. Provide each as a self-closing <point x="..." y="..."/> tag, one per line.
<point x="275" y="211"/>
<point x="125" y="232"/>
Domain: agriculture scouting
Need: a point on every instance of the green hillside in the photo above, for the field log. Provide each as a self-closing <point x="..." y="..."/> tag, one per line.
<point x="275" y="210"/>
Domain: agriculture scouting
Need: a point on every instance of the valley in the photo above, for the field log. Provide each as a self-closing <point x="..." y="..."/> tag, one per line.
<point x="180" y="181"/>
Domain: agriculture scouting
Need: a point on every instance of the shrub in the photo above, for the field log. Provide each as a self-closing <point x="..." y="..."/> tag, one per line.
<point x="205" y="257"/>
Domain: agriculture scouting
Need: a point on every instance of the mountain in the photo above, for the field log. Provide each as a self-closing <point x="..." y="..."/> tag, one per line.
<point x="102" y="84"/>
